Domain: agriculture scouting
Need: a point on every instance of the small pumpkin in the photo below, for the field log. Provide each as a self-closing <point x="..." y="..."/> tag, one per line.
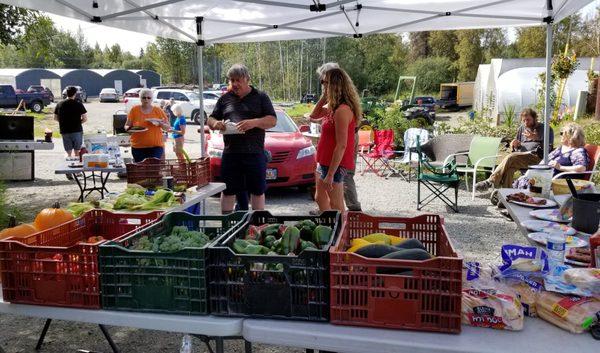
<point x="17" y="231"/>
<point x="51" y="217"/>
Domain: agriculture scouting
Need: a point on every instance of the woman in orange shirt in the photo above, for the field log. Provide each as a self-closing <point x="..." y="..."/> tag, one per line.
<point x="148" y="143"/>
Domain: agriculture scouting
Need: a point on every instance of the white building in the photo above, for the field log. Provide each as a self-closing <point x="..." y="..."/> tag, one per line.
<point x="515" y="82"/>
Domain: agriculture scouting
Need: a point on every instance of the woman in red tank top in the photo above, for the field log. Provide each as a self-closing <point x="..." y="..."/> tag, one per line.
<point x="335" y="151"/>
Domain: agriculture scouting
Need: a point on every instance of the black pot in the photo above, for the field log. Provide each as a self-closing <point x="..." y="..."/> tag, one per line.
<point x="586" y="213"/>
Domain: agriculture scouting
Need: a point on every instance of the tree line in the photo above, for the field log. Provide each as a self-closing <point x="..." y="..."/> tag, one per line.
<point x="286" y="69"/>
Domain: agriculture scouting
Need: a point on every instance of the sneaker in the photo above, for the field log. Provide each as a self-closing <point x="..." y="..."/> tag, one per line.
<point x="494" y="199"/>
<point x="483" y="185"/>
<point x="69" y="176"/>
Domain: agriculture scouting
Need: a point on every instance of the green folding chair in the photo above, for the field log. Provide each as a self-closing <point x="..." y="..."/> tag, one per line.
<point x="482" y="157"/>
<point x="437" y="179"/>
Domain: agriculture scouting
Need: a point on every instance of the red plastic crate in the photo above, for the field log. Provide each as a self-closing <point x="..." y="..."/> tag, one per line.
<point x="53" y="268"/>
<point x="424" y="296"/>
<point x="150" y="172"/>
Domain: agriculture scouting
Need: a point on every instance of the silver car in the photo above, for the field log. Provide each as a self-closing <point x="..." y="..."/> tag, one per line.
<point x="109" y="95"/>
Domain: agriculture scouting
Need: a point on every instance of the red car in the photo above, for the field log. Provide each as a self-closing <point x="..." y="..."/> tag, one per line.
<point x="293" y="156"/>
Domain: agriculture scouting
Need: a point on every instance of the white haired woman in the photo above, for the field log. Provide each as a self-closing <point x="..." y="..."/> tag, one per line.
<point x="148" y="143"/>
<point x="178" y="132"/>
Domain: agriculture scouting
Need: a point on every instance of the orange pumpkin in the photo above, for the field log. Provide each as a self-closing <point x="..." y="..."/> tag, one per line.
<point x="17" y="231"/>
<point x="51" y="217"/>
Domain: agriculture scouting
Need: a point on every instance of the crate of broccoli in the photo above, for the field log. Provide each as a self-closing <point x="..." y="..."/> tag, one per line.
<point x="161" y="268"/>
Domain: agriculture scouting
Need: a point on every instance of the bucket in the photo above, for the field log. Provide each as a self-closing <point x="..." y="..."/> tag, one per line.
<point x="586" y="213"/>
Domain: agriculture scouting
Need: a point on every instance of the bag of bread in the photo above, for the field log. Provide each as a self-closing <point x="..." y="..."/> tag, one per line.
<point x="567" y="312"/>
<point x="475" y="271"/>
<point x="523" y="262"/>
<point x="528" y="296"/>
<point x="583" y="282"/>
<point x="489" y="303"/>
<point x="584" y="278"/>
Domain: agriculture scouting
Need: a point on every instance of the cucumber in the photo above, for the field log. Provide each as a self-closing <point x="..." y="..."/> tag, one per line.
<point x="411" y="243"/>
<point x="408" y="254"/>
<point x="376" y="250"/>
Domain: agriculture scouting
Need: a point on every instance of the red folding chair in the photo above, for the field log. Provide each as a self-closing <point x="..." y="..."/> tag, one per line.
<point x="378" y="159"/>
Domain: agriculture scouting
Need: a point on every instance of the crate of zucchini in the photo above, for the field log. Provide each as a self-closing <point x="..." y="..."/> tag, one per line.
<point x="394" y="272"/>
<point x="161" y="268"/>
<point x="274" y="267"/>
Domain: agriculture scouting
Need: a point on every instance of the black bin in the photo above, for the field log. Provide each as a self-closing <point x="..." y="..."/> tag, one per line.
<point x="119" y="119"/>
<point x="586" y="213"/>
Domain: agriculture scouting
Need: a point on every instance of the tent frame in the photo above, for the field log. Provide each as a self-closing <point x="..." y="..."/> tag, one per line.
<point x="327" y="9"/>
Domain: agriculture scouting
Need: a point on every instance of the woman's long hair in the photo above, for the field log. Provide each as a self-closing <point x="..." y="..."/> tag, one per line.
<point x="341" y="90"/>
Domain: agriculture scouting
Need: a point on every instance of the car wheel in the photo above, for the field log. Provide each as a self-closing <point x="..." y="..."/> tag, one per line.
<point x="37" y="107"/>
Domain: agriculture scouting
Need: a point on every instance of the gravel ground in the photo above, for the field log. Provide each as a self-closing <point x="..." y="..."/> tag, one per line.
<point x="477" y="231"/>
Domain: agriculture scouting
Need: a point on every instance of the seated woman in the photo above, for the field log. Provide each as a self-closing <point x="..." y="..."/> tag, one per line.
<point x="570" y="156"/>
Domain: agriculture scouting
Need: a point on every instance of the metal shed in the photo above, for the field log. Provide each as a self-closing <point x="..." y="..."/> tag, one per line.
<point x="89" y="80"/>
<point x="149" y="78"/>
<point x="23" y="78"/>
<point x="121" y="80"/>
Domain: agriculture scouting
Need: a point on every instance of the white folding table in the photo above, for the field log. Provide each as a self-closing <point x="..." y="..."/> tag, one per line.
<point x="205" y="326"/>
<point x="537" y="336"/>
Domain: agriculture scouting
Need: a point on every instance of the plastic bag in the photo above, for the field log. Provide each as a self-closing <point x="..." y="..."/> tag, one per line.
<point x="576" y="281"/>
<point x="489" y="303"/>
<point x="527" y="264"/>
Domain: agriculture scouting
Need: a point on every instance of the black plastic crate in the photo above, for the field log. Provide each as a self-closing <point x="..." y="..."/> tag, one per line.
<point x="241" y="284"/>
<point x="147" y="281"/>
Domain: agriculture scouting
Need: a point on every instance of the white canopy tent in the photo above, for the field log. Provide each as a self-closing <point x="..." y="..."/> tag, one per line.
<point x="219" y="21"/>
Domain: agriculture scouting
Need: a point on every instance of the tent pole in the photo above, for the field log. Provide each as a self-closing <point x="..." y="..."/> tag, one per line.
<point x="547" y="109"/>
<point x="199" y="52"/>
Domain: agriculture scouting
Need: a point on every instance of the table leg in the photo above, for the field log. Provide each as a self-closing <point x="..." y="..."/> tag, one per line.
<point x="247" y="346"/>
<point x="219" y="344"/>
<point x="81" y="188"/>
<point x="38" y="346"/>
<point x="112" y="344"/>
<point x="104" y="180"/>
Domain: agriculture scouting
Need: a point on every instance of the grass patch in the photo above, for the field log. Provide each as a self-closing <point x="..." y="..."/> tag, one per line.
<point x="7" y="210"/>
<point x="298" y="110"/>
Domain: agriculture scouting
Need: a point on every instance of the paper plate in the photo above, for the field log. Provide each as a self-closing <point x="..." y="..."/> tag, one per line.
<point x="552" y="215"/>
<point x="572" y="242"/>
<point x="136" y="131"/>
<point x="154" y="121"/>
<point x="548" y="227"/>
<point x="549" y="203"/>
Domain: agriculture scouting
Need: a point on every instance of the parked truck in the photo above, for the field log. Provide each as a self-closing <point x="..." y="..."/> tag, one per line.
<point x="456" y="95"/>
<point x="32" y="101"/>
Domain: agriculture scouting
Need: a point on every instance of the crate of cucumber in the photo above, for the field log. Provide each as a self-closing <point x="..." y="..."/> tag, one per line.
<point x="393" y="272"/>
<point x="274" y="267"/>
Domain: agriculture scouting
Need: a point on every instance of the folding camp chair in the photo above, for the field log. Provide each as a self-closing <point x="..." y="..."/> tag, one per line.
<point x="409" y="156"/>
<point x="378" y="159"/>
<point x="365" y="142"/>
<point x="437" y="179"/>
<point x="482" y="157"/>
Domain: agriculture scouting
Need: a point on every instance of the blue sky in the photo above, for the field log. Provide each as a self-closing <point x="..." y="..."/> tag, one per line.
<point x="135" y="41"/>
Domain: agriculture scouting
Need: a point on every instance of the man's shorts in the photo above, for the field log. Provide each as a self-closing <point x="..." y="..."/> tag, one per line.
<point x="72" y="141"/>
<point x="244" y="172"/>
<point x="338" y="177"/>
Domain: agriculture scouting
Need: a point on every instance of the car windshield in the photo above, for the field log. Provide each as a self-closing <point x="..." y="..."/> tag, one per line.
<point x="193" y="96"/>
<point x="284" y="124"/>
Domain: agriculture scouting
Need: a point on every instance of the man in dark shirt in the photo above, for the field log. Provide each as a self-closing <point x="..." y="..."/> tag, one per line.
<point x="528" y="149"/>
<point x="71" y="114"/>
<point x="243" y="114"/>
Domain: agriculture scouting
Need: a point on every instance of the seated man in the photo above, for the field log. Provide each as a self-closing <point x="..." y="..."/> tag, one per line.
<point x="528" y="149"/>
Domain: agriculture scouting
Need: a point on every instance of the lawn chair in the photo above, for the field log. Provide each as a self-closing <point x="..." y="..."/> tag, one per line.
<point x="482" y="157"/>
<point x="594" y="155"/>
<point x="365" y="142"/>
<point x="437" y="179"/>
<point x="441" y="146"/>
<point x="409" y="156"/>
<point x="378" y="159"/>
